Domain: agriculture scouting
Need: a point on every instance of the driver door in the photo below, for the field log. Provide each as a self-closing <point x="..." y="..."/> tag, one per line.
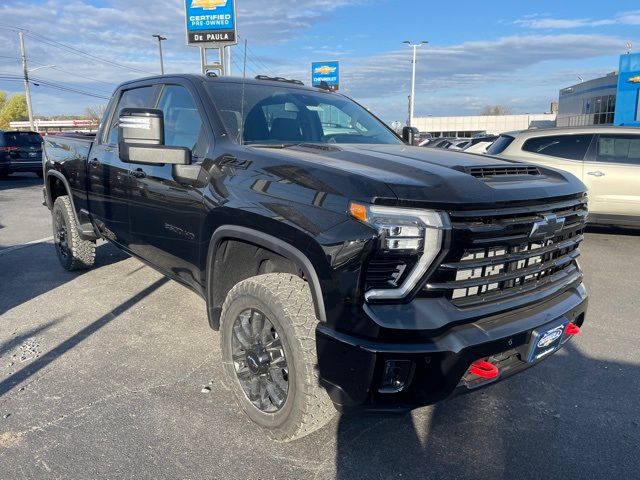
<point x="166" y="216"/>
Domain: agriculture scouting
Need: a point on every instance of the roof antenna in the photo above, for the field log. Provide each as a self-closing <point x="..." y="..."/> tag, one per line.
<point x="244" y="78"/>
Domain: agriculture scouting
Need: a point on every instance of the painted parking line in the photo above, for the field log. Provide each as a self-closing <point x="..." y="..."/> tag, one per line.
<point x="4" y="251"/>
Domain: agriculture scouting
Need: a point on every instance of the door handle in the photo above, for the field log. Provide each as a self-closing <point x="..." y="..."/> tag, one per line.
<point x="94" y="162"/>
<point x="597" y="173"/>
<point x="139" y="173"/>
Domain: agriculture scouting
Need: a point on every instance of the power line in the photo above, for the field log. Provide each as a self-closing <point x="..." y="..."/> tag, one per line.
<point x="258" y="61"/>
<point x="55" y="67"/>
<point x="46" y="83"/>
<point x="76" y="51"/>
<point x="65" y="88"/>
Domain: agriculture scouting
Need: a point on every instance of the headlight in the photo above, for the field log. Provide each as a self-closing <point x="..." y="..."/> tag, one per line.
<point x="404" y="233"/>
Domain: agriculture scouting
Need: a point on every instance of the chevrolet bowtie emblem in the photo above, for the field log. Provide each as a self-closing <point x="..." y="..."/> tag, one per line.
<point x="208" y="4"/>
<point x="547" y="228"/>
<point x="324" y="70"/>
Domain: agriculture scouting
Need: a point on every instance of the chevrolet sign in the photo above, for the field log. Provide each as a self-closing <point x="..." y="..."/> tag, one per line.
<point x="325" y="73"/>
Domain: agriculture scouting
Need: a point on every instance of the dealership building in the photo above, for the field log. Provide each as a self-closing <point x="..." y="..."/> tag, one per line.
<point x="470" y="125"/>
<point x="610" y="100"/>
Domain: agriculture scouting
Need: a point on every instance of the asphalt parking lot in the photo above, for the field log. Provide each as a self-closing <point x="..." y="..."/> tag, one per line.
<point x="102" y="374"/>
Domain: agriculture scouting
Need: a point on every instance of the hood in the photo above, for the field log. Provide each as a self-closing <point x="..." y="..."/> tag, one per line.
<point x="417" y="175"/>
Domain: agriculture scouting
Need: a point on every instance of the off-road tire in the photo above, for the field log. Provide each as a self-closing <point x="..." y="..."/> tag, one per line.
<point x="286" y="300"/>
<point x="76" y="253"/>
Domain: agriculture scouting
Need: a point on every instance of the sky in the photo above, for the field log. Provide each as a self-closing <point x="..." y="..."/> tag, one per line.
<point x="517" y="54"/>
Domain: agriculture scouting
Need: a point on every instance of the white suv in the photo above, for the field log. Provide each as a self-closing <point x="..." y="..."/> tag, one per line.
<point x="606" y="159"/>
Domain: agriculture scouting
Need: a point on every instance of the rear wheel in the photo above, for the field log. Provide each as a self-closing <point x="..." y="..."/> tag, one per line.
<point x="269" y="353"/>
<point x="73" y="252"/>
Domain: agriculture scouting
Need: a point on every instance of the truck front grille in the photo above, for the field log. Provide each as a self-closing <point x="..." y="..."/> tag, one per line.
<point x="498" y="254"/>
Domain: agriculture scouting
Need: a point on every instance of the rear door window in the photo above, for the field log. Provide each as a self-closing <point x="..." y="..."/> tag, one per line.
<point x="618" y="149"/>
<point x="571" y="147"/>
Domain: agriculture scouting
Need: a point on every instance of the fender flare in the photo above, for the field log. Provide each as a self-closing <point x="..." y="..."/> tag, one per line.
<point x="268" y="242"/>
<point x="67" y="187"/>
<point x="54" y="173"/>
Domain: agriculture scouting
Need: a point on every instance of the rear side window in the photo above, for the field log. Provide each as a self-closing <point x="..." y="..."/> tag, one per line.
<point x="134" y="98"/>
<point x="618" y="149"/>
<point x="500" y="145"/>
<point x="22" y="139"/>
<point x="571" y="147"/>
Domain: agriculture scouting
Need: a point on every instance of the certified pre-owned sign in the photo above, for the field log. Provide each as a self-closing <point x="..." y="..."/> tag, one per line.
<point x="211" y="22"/>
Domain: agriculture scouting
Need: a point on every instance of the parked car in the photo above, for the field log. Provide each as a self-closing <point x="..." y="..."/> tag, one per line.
<point x="458" y="144"/>
<point x="20" y="152"/>
<point x="440" y="142"/>
<point x="345" y="269"/>
<point x="606" y="159"/>
<point x="480" y="144"/>
<point x="424" y="139"/>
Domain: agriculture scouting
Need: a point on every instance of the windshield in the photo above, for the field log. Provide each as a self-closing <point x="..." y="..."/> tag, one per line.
<point x="275" y="115"/>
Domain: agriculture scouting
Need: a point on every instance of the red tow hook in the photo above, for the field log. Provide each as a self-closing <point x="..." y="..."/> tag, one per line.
<point x="572" y="329"/>
<point x="484" y="369"/>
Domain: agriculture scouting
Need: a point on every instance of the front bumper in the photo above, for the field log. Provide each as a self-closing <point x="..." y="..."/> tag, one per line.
<point x="352" y="369"/>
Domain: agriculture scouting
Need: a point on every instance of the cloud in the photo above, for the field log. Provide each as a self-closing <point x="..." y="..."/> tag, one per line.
<point x="544" y="22"/>
<point x="500" y="68"/>
<point x="121" y="30"/>
<point x="450" y="78"/>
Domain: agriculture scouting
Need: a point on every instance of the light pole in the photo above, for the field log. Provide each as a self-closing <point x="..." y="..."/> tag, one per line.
<point x="413" y="76"/>
<point x="160" y="39"/>
<point x="25" y="73"/>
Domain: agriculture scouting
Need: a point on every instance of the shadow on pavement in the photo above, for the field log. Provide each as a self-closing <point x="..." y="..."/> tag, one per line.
<point x="19" y="180"/>
<point x="31" y="271"/>
<point x="604" y="230"/>
<point x="41" y="362"/>
<point x="569" y="417"/>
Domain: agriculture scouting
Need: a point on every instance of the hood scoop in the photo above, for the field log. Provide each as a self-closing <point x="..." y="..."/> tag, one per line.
<point x="494" y="171"/>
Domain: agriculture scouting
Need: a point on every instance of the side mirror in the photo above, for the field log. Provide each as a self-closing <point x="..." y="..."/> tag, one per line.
<point x="410" y="135"/>
<point x="141" y="139"/>
<point x="141" y="126"/>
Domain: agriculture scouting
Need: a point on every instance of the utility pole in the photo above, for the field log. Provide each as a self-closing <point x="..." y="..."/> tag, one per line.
<point x="160" y="39"/>
<point x="25" y="72"/>
<point x="413" y="77"/>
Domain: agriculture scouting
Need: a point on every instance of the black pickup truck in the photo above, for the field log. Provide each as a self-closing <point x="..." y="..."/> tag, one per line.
<point x="343" y="267"/>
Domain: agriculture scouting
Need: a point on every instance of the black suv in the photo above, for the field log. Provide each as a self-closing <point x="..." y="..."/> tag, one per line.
<point x="20" y="152"/>
<point x="341" y="265"/>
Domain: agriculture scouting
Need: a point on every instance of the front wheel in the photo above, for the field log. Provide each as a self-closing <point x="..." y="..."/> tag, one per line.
<point x="73" y="252"/>
<point x="269" y="352"/>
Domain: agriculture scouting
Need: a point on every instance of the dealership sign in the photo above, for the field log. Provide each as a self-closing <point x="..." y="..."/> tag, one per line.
<point x="327" y="72"/>
<point x="211" y="22"/>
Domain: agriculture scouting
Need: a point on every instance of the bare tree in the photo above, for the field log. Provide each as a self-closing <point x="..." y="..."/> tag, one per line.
<point x="95" y="113"/>
<point x="496" y="110"/>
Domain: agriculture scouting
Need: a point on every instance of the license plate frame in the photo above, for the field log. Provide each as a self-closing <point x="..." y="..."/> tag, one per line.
<point x="546" y="340"/>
